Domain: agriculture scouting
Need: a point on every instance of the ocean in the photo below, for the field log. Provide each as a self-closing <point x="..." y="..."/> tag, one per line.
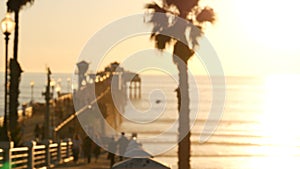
<point x="258" y="128"/>
<point x="62" y="80"/>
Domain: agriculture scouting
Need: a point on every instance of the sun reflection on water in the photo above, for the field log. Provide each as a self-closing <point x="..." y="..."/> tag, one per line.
<point x="280" y="122"/>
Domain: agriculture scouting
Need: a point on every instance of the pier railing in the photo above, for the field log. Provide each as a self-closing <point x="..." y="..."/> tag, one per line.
<point x="35" y="156"/>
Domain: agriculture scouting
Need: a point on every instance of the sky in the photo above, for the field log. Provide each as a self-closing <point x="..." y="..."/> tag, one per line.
<point x="250" y="37"/>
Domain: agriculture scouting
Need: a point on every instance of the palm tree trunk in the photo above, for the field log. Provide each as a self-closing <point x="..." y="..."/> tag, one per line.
<point x="15" y="76"/>
<point x="184" y="119"/>
<point x="181" y="58"/>
<point x="16" y="37"/>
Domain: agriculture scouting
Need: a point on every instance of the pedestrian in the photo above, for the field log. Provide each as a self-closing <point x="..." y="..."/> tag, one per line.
<point x="87" y="148"/>
<point x="112" y="146"/>
<point x="42" y="132"/>
<point x="123" y="143"/>
<point x="24" y="110"/>
<point x="133" y="143"/>
<point x="37" y="132"/>
<point x="96" y="151"/>
<point x="22" y="128"/>
<point x="76" y="147"/>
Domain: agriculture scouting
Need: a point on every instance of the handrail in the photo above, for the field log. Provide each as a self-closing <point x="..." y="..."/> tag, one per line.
<point x="36" y="156"/>
<point x="39" y="147"/>
<point x="84" y="108"/>
<point x="19" y="157"/>
<point x="20" y="149"/>
<point x="53" y="145"/>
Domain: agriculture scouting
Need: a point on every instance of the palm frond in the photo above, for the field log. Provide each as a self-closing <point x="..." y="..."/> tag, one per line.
<point x="160" y="22"/>
<point x="195" y="33"/>
<point x="161" y="41"/>
<point x="184" y="6"/>
<point x="157" y="17"/>
<point x="169" y="2"/>
<point x="206" y="15"/>
<point x="154" y="6"/>
<point x="17" y="5"/>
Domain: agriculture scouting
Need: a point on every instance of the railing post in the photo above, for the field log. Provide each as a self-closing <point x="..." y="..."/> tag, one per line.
<point x="30" y="146"/>
<point x="68" y="141"/>
<point x="47" y="153"/>
<point x="7" y="146"/>
<point x="59" y="152"/>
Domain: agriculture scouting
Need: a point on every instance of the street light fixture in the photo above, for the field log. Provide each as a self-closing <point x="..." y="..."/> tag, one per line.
<point x="7" y="26"/>
<point x="52" y="84"/>
<point x="58" y="90"/>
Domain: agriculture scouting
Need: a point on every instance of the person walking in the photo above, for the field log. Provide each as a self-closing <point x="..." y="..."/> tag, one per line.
<point x="76" y="147"/>
<point x="112" y="146"/>
<point x="122" y="143"/>
<point x="96" y="151"/>
<point x="87" y="148"/>
<point x="37" y="132"/>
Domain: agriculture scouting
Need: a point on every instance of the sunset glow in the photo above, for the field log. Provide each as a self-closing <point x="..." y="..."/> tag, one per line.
<point x="279" y="123"/>
<point x="270" y="23"/>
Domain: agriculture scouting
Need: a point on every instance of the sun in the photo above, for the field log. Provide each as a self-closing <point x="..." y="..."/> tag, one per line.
<point x="280" y="122"/>
<point x="271" y="23"/>
<point x="281" y="115"/>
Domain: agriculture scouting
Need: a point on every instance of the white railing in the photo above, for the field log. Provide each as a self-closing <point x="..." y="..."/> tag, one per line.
<point x="32" y="155"/>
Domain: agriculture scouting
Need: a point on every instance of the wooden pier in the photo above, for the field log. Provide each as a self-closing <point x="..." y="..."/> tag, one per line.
<point x="135" y="88"/>
<point x="63" y="122"/>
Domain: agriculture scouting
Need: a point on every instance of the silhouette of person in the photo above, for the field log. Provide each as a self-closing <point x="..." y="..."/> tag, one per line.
<point x="43" y="132"/>
<point x="37" y="131"/>
<point x="123" y="143"/>
<point x="76" y="147"/>
<point x="87" y="148"/>
<point x="96" y="151"/>
<point x="24" y="110"/>
<point x="133" y="143"/>
<point x="112" y="146"/>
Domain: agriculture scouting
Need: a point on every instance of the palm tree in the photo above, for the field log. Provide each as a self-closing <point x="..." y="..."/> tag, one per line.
<point x="164" y="26"/>
<point x="15" y="6"/>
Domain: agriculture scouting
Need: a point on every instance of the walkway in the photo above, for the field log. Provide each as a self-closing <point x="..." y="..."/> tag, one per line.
<point x="102" y="163"/>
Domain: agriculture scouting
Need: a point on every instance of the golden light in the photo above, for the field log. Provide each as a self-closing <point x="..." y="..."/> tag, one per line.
<point x="31" y="83"/>
<point x="52" y="83"/>
<point x="280" y="123"/>
<point x="281" y="115"/>
<point x="58" y="88"/>
<point x="7" y="24"/>
<point x="270" y="23"/>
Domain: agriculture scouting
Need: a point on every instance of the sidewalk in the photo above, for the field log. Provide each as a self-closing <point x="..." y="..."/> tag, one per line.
<point x="102" y="163"/>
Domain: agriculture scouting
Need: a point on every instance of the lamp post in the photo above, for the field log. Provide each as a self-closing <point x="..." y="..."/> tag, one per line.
<point x="47" y="95"/>
<point x="7" y="25"/>
<point x="31" y="86"/>
<point x="52" y="94"/>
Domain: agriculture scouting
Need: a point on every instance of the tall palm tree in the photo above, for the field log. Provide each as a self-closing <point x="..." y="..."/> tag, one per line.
<point x="194" y="16"/>
<point x="15" y="6"/>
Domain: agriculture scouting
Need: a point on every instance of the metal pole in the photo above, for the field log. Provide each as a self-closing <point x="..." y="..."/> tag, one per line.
<point x="47" y="98"/>
<point x="5" y="123"/>
<point x="31" y="94"/>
